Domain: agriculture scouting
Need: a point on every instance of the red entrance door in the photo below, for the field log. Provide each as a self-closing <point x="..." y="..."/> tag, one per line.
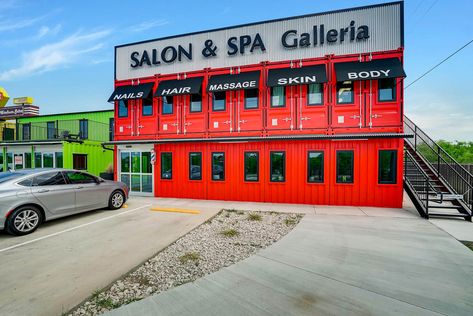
<point x="281" y="108"/>
<point x="248" y="114"/>
<point x="221" y="117"/>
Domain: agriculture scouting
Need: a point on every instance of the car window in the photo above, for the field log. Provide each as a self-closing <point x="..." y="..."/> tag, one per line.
<point x="75" y="177"/>
<point x="26" y="183"/>
<point x="50" y="178"/>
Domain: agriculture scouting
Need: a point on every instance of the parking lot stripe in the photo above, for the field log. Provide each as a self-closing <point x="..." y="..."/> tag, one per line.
<point x="174" y="210"/>
<point x="72" y="228"/>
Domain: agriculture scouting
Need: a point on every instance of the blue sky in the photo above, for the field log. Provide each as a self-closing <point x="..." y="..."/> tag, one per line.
<point x="61" y="52"/>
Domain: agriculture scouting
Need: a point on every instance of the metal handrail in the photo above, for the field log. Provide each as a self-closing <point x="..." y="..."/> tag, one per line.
<point x="420" y="172"/>
<point x="462" y="178"/>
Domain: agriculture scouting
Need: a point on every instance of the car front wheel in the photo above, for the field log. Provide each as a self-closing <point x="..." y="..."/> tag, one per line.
<point x="23" y="221"/>
<point x="117" y="199"/>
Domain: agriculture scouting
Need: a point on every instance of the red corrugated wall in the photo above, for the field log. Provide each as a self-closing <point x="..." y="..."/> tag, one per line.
<point x="364" y="191"/>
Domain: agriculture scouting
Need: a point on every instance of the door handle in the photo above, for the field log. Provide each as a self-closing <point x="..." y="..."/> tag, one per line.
<point x="42" y="191"/>
<point x="80" y="187"/>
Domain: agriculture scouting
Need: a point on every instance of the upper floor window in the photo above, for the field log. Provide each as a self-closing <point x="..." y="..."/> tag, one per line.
<point x="167" y="104"/>
<point x="26" y="131"/>
<point x="315" y="94"/>
<point x="278" y="96"/>
<point x="147" y="107"/>
<point x="218" y="101"/>
<point x="196" y="103"/>
<point x="251" y="99"/>
<point x="84" y="129"/>
<point x="111" y="128"/>
<point x="345" y="92"/>
<point x="387" y="89"/>
<point x="51" y="130"/>
<point x="123" y="108"/>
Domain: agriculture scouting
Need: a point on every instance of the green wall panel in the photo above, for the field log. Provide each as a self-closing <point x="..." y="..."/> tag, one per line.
<point x="98" y="159"/>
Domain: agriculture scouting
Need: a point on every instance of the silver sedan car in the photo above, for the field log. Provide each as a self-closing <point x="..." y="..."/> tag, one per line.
<point x="31" y="196"/>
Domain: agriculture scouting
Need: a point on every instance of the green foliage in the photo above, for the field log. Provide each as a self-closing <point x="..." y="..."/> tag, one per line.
<point x="460" y="151"/>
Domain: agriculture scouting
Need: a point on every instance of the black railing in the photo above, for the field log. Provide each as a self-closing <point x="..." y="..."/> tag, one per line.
<point x="454" y="175"/>
<point x="419" y="183"/>
<point x="62" y="130"/>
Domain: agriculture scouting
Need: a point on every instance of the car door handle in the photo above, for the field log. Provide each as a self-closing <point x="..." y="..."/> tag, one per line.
<point x="80" y="187"/>
<point x="43" y="191"/>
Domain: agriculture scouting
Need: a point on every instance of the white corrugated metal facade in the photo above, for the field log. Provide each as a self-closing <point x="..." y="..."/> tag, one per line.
<point x="385" y="33"/>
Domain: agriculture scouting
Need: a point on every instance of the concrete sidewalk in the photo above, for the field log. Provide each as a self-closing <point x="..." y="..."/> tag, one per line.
<point x="335" y="265"/>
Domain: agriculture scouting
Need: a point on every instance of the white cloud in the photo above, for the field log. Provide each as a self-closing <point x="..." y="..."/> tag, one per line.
<point x="144" y="26"/>
<point x="15" y="24"/>
<point x="46" y="30"/>
<point x="56" y="55"/>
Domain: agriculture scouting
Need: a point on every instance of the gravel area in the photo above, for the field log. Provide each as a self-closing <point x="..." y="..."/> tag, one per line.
<point x="225" y="239"/>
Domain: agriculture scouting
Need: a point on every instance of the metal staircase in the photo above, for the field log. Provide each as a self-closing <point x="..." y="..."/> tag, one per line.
<point x="437" y="184"/>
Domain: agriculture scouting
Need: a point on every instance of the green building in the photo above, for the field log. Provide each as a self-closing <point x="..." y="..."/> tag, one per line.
<point x="69" y="140"/>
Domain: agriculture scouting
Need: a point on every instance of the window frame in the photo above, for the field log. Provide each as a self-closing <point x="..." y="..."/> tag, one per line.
<point x="126" y="104"/>
<point x="224" y="101"/>
<point x="271" y="105"/>
<point x="48" y="128"/>
<point x="162" y="154"/>
<point x="271" y="166"/>
<point x="190" y="165"/>
<point x="28" y="126"/>
<point x="322" y="101"/>
<point x="257" y="165"/>
<point x="172" y="105"/>
<point x="86" y="134"/>
<point x="257" y="99"/>
<point x="353" y="92"/>
<point x="394" y="91"/>
<point x="308" y="166"/>
<point x="394" y="181"/>
<point x="190" y="103"/>
<point x="147" y="105"/>
<point x="86" y="161"/>
<point x="352" y="166"/>
<point x="212" y="165"/>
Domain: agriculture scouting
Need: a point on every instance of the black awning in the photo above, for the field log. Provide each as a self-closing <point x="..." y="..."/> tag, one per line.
<point x="244" y="80"/>
<point x="375" y="69"/>
<point x="175" y="87"/>
<point x="140" y="91"/>
<point x="296" y="76"/>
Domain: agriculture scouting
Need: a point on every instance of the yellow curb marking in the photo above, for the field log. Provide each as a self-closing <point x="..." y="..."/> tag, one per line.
<point x="124" y="206"/>
<point x="174" y="210"/>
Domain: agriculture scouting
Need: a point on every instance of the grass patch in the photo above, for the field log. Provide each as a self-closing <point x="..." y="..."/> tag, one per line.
<point x="230" y="232"/>
<point x="254" y="217"/>
<point x="290" y="221"/>
<point x="95" y="294"/>
<point x="106" y="303"/>
<point x="189" y="256"/>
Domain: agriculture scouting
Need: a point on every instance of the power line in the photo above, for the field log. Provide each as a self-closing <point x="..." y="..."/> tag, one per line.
<point x="444" y="60"/>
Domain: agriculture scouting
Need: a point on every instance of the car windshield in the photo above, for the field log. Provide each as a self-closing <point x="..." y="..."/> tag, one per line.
<point x="7" y="176"/>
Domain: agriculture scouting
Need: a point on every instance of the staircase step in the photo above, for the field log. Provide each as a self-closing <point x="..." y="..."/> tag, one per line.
<point x="446" y="207"/>
<point x="449" y="215"/>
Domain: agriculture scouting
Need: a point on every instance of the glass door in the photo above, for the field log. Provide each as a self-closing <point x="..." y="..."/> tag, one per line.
<point x="136" y="171"/>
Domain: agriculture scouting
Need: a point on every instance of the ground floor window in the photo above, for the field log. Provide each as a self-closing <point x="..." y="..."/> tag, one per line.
<point x="79" y="161"/>
<point x="166" y="165"/>
<point x="27" y="160"/>
<point x="59" y="160"/>
<point x="278" y="166"/>
<point x="1" y="161"/>
<point x="345" y="166"/>
<point x="251" y="166"/>
<point x="48" y="160"/>
<point x="315" y="166"/>
<point x="218" y="166"/>
<point x="387" y="165"/>
<point x="195" y="166"/>
<point x="18" y="161"/>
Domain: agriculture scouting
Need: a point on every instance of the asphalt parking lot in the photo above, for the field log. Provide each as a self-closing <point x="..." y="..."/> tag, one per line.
<point x="64" y="261"/>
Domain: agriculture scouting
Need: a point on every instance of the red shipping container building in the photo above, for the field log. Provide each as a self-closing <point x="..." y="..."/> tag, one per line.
<point x="305" y="109"/>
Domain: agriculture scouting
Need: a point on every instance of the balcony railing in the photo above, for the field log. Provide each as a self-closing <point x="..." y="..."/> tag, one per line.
<point x="72" y="130"/>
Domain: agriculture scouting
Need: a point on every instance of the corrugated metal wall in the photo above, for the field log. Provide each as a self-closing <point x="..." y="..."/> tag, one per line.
<point x="295" y="188"/>
<point x="385" y="30"/>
